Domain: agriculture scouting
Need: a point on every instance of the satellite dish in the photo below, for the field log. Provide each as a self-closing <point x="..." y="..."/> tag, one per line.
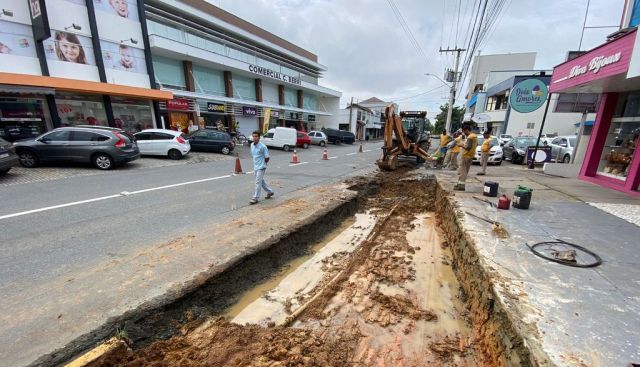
<point x="481" y="118"/>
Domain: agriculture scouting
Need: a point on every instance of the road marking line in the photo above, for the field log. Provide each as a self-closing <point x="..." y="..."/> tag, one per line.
<point x="59" y="206"/>
<point x="121" y="194"/>
<point x="351" y="153"/>
<point x="333" y="157"/>
<point x="298" y="164"/>
<point x="368" y="150"/>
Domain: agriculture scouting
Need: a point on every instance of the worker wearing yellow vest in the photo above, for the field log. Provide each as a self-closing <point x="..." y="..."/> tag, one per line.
<point x="485" y="149"/>
<point x="468" y="147"/>
<point x="452" y="160"/>
<point x="444" y="140"/>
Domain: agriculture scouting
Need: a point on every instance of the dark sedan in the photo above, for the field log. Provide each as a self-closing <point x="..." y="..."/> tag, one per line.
<point x="516" y="149"/>
<point x="104" y="147"/>
<point x="211" y="141"/>
<point x="8" y="157"/>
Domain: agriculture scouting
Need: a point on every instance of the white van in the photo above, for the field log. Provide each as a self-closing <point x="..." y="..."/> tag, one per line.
<point x="281" y="137"/>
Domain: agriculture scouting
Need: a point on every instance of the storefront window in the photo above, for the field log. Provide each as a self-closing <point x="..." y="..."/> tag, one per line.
<point x="131" y="114"/>
<point x="244" y="88"/>
<point x="290" y="97"/>
<point x="22" y="118"/>
<point x="309" y="102"/>
<point x="169" y="73"/>
<point x="81" y="110"/>
<point x="208" y="80"/>
<point x="619" y="147"/>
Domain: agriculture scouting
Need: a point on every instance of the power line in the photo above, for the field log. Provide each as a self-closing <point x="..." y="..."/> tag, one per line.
<point x="406" y="28"/>
<point x="416" y="95"/>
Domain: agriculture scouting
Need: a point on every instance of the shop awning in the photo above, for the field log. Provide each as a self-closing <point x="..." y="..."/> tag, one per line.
<point x="16" y="89"/>
<point x="245" y="102"/>
<point x="81" y="86"/>
<point x="586" y="123"/>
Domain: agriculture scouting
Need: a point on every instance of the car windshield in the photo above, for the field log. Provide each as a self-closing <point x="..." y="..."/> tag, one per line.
<point x="525" y="142"/>
<point x="572" y="141"/>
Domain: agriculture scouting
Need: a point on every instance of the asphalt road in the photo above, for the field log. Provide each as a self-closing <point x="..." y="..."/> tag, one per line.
<point x="51" y="229"/>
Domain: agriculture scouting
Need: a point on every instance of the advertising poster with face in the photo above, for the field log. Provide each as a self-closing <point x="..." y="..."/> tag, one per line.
<point x="122" y="8"/>
<point x="16" y="39"/>
<point x="123" y="57"/>
<point x="69" y="47"/>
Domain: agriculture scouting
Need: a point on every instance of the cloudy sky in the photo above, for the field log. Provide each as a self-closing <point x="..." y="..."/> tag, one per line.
<point x="369" y="54"/>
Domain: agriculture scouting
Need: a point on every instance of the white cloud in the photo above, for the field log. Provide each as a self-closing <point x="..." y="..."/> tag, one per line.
<point x="368" y="54"/>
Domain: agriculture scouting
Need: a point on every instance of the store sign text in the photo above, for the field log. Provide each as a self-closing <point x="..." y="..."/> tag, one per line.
<point x="595" y="65"/>
<point x="215" y="107"/>
<point x="178" y="104"/>
<point x="249" y="111"/>
<point x="274" y="74"/>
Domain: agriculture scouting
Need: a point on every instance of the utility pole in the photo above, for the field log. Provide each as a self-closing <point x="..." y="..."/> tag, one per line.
<point x="454" y="81"/>
<point x="350" y="113"/>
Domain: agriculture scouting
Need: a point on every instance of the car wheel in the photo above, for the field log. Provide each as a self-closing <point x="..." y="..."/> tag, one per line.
<point x="499" y="163"/>
<point x="322" y="143"/>
<point x="566" y="158"/>
<point x="4" y="171"/>
<point x="28" y="159"/>
<point x="175" y="154"/>
<point x="305" y="146"/>
<point x="286" y="148"/>
<point x="226" y="150"/>
<point x="514" y="158"/>
<point x="102" y="161"/>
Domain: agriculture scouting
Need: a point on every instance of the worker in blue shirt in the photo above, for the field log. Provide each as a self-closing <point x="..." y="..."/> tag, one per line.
<point x="260" y="155"/>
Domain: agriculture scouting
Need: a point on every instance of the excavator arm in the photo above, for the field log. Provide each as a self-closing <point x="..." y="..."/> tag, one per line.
<point x="393" y="125"/>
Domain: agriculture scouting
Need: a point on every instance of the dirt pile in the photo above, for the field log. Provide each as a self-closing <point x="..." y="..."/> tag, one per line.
<point x="226" y="344"/>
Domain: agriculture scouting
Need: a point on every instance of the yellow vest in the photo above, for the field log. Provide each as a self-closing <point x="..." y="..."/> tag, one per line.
<point x="486" y="146"/>
<point x="474" y="144"/>
<point x="444" y="140"/>
<point x="456" y="148"/>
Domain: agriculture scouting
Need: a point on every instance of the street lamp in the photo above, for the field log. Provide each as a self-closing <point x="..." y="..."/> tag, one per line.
<point x="74" y="26"/>
<point x="132" y="40"/>
<point x="437" y="77"/>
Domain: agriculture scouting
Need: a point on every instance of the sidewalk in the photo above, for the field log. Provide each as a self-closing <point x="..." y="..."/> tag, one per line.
<point x="565" y="316"/>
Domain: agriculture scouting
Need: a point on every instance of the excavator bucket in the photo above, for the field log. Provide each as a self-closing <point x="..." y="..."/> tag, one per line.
<point x="388" y="163"/>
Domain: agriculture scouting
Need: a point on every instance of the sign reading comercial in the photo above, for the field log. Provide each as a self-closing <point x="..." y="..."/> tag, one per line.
<point x="249" y="111"/>
<point x="528" y="95"/>
<point x="274" y="74"/>
<point x="215" y="107"/>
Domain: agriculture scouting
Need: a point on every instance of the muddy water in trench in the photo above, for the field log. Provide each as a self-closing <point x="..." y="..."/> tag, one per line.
<point x="373" y="295"/>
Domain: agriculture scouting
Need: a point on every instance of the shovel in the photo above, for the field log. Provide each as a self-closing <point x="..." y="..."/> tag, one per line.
<point x="497" y="228"/>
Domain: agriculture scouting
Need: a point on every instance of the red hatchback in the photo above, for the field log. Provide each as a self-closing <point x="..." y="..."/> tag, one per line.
<point x="303" y="140"/>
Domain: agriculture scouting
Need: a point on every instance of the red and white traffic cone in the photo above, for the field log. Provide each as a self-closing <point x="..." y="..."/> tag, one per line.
<point x="238" y="166"/>
<point x="294" y="158"/>
<point x="325" y="155"/>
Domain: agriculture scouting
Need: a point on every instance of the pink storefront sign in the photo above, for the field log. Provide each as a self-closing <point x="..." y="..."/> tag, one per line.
<point x="610" y="59"/>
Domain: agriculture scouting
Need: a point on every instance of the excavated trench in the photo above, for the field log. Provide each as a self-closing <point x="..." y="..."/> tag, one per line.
<point x="374" y="283"/>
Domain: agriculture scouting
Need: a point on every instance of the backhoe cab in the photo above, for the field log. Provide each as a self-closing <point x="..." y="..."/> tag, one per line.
<point x="406" y="135"/>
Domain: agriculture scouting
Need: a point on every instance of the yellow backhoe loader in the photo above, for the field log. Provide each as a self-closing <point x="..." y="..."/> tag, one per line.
<point x="404" y="135"/>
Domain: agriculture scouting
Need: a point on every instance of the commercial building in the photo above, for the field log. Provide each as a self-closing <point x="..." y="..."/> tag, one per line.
<point x="482" y="65"/>
<point x="564" y="110"/>
<point x="611" y="70"/>
<point x="135" y="64"/>
<point x="222" y="69"/>
<point x="71" y="62"/>
<point x="375" y="129"/>
<point x="366" y="118"/>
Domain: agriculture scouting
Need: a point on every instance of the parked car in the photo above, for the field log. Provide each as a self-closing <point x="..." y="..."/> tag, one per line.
<point x="8" y="157"/>
<point x="547" y="138"/>
<point x="281" y="137"/>
<point x="504" y="138"/>
<point x="339" y="136"/>
<point x="495" y="153"/>
<point x="562" y="148"/>
<point x="104" y="147"/>
<point x="318" y="137"/>
<point x="303" y="140"/>
<point x="211" y="141"/>
<point x="516" y="149"/>
<point x="163" y="142"/>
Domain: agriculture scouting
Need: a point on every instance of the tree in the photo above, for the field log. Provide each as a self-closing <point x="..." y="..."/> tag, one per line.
<point x="456" y="118"/>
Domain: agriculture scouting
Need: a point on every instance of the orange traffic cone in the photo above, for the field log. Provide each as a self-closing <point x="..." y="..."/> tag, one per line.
<point x="325" y="155"/>
<point x="294" y="158"/>
<point x="360" y="148"/>
<point x="238" y="166"/>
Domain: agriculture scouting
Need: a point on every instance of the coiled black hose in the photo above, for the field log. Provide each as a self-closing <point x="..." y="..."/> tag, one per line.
<point x="597" y="258"/>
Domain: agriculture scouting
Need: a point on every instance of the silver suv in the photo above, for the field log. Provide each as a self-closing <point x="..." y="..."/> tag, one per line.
<point x="104" y="147"/>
